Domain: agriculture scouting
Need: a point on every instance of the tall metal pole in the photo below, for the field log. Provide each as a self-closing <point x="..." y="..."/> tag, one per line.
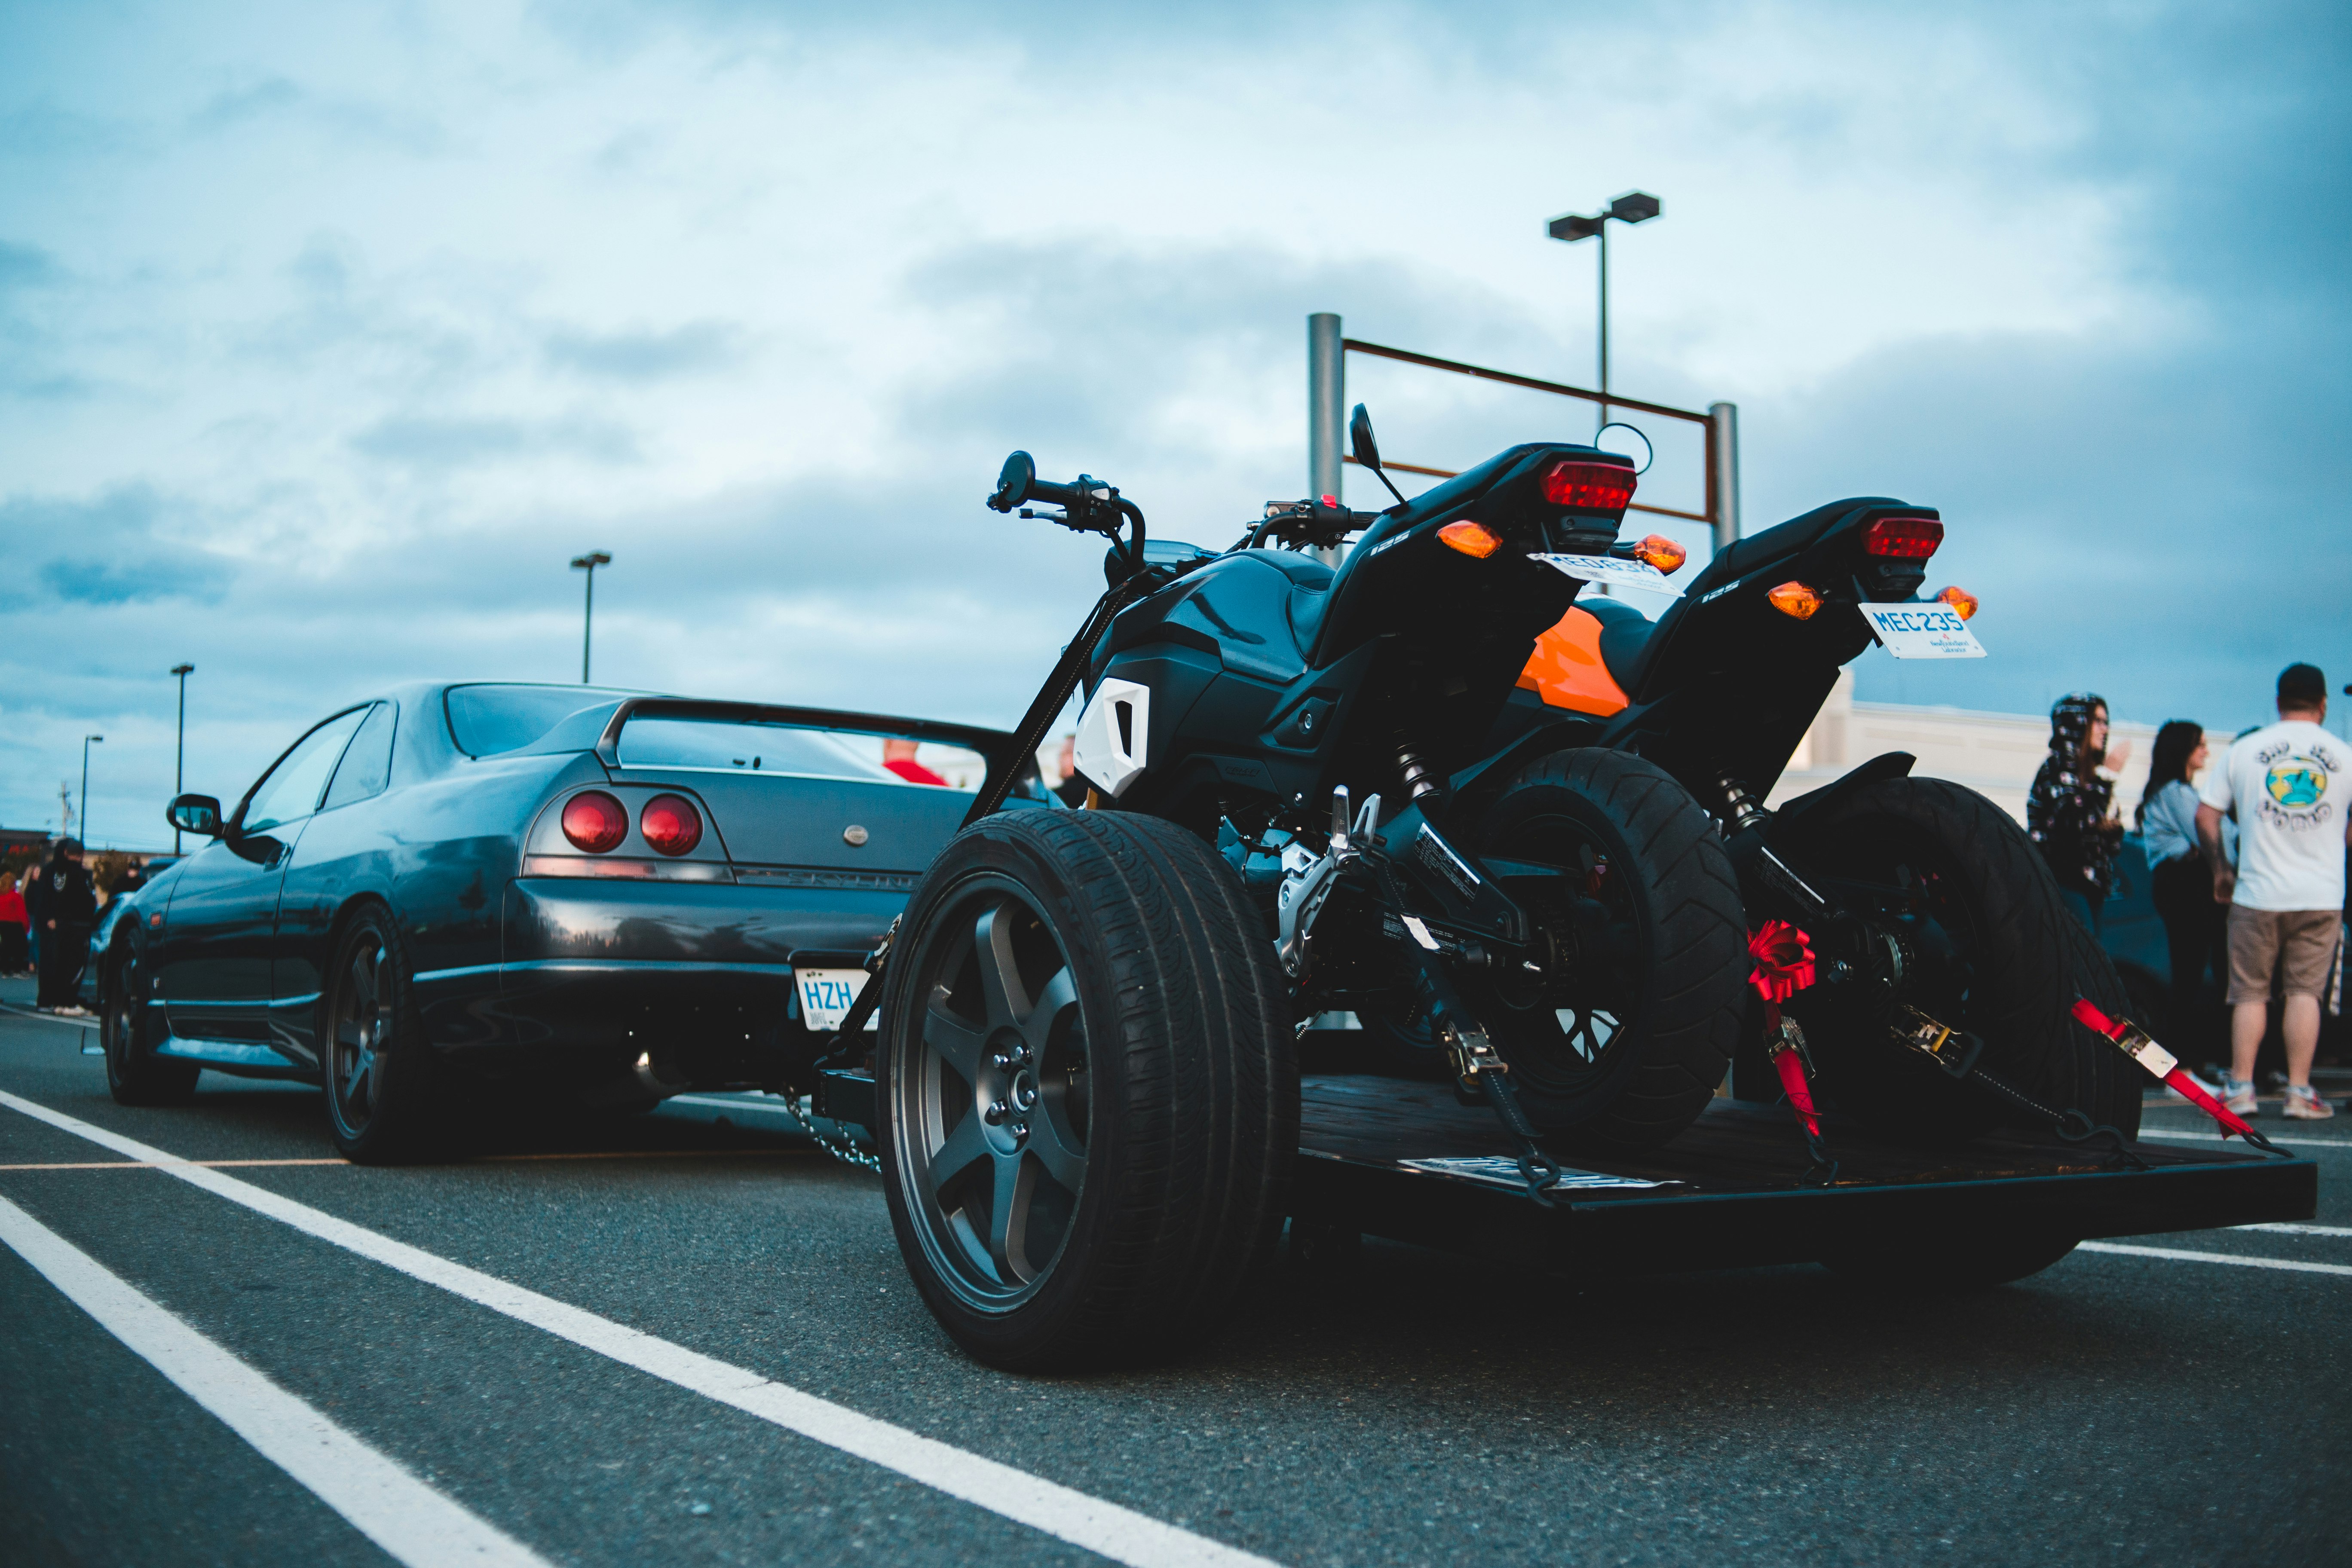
<point x="1326" y="396"/>
<point x="1722" y="464"/>
<point x="588" y="563"/>
<point x="86" y="740"/>
<point x="179" y="746"/>
<point x="1602" y="234"/>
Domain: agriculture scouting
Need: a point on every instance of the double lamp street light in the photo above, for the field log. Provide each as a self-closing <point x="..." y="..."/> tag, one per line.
<point x="1634" y="207"/>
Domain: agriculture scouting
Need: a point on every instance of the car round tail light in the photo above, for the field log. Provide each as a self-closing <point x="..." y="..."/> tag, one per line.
<point x="594" y="821"/>
<point x="670" y="824"/>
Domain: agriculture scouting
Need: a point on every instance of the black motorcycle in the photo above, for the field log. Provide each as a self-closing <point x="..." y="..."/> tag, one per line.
<point x="1314" y="790"/>
<point x="1307" y="794"/>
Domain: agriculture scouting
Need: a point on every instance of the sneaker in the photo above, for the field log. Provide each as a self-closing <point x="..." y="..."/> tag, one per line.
<point x="2303" y="1104"/>
<point x="2238" y="1095"/>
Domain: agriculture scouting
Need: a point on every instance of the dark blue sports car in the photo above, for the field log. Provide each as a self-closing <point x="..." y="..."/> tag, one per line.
<point x="602" y="893"/>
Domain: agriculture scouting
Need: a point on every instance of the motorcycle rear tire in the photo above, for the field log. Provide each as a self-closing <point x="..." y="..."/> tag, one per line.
<point x="2029" y="959"/>
<point x="1086" y="1179"/>
<point x="1684" y="993"/>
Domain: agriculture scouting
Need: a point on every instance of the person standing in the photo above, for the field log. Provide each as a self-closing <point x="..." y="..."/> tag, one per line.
<point x="14" y="919"/>
<point x="2181" y="882"/>
<point x="64" y="906"/>
<point x="898" y="756"/>
<point x="2070" y="813"/>
<point x="2287" y="786"/>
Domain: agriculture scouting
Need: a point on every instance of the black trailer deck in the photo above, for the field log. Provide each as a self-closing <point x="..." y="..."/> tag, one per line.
<point x="1391" y="1158"/>
<point x="1406" y="1160"/>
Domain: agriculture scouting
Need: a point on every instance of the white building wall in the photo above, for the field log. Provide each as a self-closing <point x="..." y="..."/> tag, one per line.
<point x="1995" y="755"/>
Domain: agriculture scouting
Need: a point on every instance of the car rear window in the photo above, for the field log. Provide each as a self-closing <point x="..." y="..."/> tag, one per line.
<point x="485" y="721"/>
<point x="731" y="745"/>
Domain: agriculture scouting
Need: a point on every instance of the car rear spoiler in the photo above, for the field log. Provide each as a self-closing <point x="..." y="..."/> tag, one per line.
<point x="993" y="744"/>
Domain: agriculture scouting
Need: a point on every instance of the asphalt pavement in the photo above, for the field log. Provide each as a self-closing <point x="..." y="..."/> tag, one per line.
<point x="712" y="1326"/>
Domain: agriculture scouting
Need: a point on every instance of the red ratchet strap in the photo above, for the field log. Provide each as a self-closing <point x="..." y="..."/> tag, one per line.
<point x="1784" y="966"/>
<point x="2135" y="1043"/>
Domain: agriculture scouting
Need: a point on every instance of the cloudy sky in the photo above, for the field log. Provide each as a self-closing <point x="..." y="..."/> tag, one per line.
<point x="329" y="333"/>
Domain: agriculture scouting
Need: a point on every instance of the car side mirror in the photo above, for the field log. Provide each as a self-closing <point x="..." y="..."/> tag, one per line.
<point x="1360" y="444"/>
<point x="198" y="814"/>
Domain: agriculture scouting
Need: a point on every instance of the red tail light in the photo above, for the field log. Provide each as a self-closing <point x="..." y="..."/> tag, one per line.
<point x="1581" y="484"/>
<point x="1903" y="538"/>
<point x="594" y="821"/>
<point x="670" y="824"/>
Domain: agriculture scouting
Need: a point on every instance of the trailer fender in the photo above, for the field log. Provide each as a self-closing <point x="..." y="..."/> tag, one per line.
<point x="1891" y="765"/>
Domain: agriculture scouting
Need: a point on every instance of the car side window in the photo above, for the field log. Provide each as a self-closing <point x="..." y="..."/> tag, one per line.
<point x="291" y="791"/>
<point x="366" y="766"/>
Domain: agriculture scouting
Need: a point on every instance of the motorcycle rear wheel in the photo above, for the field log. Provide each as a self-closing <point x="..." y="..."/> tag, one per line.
<point x="1994" y="951"/>
<point x="1623" y="1050"/>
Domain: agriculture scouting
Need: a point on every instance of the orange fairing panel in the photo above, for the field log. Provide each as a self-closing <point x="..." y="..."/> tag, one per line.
<point x="1566" y="670"/>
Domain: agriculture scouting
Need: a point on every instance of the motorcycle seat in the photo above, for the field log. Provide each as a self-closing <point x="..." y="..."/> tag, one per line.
<point x="1624" y="637"/>
<point x="1310" y="592"/>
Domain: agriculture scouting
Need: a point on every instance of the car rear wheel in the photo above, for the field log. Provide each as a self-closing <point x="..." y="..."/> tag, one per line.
<point x="379" y="1068"/>
<point x="134" y="1074"/>
<point x="1088" y="1096"/>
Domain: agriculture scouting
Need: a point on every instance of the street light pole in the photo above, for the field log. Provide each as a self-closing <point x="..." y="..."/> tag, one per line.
<point x="179" y="746"/>
<point x="588" y="563"/>
<point x="86" y="741"/>
<point x="1634" y="207"/>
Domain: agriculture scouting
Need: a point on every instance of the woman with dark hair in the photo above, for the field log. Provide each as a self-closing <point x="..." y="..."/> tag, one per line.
<point x="2180" y="880"/>
<point x="64" y="905"/>
<point x="2070" y="813"/>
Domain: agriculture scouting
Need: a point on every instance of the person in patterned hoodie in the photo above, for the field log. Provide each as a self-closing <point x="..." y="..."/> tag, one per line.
<point x="2070" y="813"/>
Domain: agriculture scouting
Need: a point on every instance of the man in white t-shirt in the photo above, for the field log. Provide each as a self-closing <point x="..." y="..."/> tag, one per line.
<point x="2289" y="786"/>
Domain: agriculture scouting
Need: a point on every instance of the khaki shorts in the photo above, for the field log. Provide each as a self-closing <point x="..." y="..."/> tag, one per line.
<point x="2299" y="944"/>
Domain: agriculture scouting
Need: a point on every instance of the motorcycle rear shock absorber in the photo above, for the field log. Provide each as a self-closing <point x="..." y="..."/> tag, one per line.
<point x="1419" y="783"/>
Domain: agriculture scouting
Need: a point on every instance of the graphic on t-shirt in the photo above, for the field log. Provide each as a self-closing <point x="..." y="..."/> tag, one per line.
<point x="2296" y="781"/>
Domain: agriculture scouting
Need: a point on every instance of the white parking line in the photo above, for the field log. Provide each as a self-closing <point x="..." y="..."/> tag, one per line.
<point x="1118" y="1533"/>
<point x="48" y="1018"/>
<point x="391" y="1508"/>
<point x="2285" y="1229"/>
<point x="2294" y="1141"/>
<point x="2175" y="1254"/>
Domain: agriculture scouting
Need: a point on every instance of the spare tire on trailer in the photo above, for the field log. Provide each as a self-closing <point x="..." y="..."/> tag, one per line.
<point x="1991" y="949"/>
<point x="1087" y="1089"/>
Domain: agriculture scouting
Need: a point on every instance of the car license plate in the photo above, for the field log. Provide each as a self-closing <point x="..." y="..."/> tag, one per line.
<point x="825" y="996"/>
<point x="1609" y="569"/>
<point x="1922" y="631"/>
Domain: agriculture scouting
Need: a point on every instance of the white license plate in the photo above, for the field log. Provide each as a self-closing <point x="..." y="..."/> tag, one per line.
<point x="825" y="996"/>
<point x="1609" y="569"/>
<point x="1922" y="631"/>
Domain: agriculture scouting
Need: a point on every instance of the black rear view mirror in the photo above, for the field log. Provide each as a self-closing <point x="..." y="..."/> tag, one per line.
<point x="1013" y="482"/>
<point x="1360" y="444"/>
<point x="198" y="814"/>
<point x="1367" y="451"/>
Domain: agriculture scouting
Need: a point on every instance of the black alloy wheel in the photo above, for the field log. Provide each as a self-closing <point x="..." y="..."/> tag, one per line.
<point x="134" y="1074"/>
<point x="1618" y="1023"/>
<point x="378" y="1069"/>
<point x="993" y="1103"/>
<point x="1088" y="1096"/>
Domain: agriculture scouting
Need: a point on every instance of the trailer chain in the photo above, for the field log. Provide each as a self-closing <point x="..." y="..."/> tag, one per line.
<point x="846" y="1153"/>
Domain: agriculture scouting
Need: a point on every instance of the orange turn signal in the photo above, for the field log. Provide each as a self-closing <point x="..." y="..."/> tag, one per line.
<point x="1795" y="599"/>
<point x="1473" y="539"/>
<point x="1661" y="552"/>
<point x="1963" y="602"/>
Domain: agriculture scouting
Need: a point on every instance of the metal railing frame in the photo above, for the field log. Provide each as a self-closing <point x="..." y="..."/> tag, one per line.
<point x="1327" y="399"/>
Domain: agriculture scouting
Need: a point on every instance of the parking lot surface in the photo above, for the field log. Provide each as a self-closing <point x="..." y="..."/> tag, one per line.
<point x="688" y="1338"/>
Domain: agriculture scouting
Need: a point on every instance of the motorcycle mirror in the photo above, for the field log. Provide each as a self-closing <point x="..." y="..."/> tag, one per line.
<point x="1367" y="451"/>
<point x="1360" y="444"/>
<point x="1013" y="482"/>
<point x="1626" y="442"/>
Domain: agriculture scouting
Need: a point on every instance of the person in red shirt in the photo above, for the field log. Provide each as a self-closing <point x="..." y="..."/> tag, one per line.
<point x="14" y="920"/>
<point x="898" y="756"/>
